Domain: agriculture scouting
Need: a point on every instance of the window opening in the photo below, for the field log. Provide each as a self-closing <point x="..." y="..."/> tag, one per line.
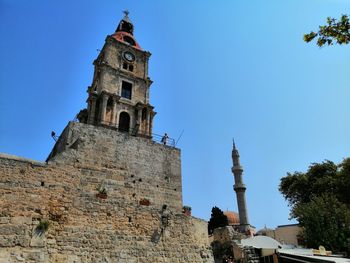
<point x="129" y="40"/>
<point x="125" y="65"/>
<point x="124" y="123"/>
<point x="126" y="90"/>
<point x="131" y="68"/>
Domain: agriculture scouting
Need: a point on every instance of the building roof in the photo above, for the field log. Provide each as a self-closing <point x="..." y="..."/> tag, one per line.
<point x="288" y="225"/>
<point x="261" y="242"/>
<point x="125" y="32"/>
<point x="306" y="255"/>
<point x="126" y="38"/>
<point x="233" y="217"/>
<point x="264" y="231"/>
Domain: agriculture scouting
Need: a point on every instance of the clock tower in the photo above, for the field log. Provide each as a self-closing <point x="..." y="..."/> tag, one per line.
<point x="118" y="97"/>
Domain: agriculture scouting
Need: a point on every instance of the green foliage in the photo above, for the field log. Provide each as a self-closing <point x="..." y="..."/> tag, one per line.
<point x="320" y="201"/>
<point x="334" y="31"/>
<point x="42" y="227"/>
<point x="217" y="219"/>
<point x="186" y="207"/>
<point x="102" y="190"/>
<point x="325" y="221"/>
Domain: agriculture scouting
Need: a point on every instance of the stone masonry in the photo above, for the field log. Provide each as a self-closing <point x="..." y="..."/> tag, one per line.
<point x="129" y="224"/>
<point x="107" y="193"/>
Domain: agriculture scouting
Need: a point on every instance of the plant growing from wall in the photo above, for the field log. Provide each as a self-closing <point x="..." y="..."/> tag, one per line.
<point x="42" y="227"/>
<point x="145" y="201"/>
<point x="102" y="193"/>
<point x="187" y="210"/>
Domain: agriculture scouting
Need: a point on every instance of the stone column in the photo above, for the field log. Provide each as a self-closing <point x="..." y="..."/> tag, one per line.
<point x="148" y="122"/>
<point x="92" y="110"/>
<point x="139" y="115"/>
<point x="139" y="119"/>
<point x="151" y="122"/>
<point x="114" y="111"/>
<point x="103" y="107"/>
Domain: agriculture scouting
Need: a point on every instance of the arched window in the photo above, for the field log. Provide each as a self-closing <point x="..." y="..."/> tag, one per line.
<point x="124" y="122"/>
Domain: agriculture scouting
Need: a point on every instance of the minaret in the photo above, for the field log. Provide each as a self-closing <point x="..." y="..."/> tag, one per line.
<point x="239" y="188"/>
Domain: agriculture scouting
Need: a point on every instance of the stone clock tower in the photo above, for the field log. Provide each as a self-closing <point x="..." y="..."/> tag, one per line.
<point x="107" y="192"/>
<point x="119" y="93"/>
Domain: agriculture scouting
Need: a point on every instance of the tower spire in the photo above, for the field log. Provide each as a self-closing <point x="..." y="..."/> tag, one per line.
<point x="125" y="24"/>
<point x="240" y="189"/>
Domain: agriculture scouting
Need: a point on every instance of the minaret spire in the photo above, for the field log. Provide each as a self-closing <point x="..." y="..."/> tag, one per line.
<point x="240" y="189"/>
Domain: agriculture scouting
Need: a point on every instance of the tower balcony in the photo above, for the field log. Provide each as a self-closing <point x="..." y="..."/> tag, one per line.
<point x="239" y="187"/>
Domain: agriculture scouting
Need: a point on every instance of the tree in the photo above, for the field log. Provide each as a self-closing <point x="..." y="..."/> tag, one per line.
<point x="334" y="31"/>
<point x="326" y="221"/>
<point x="217" y="219"/>
<point x="320" y="201"/>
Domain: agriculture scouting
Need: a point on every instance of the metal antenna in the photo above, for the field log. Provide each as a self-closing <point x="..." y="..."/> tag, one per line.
<point x="53" y="135"/>
<point x="234" y="145"/>
<point x="179" y="137"/>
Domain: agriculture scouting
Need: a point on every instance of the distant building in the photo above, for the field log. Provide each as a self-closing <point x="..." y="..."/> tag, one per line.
<point x="285" y="234"/>
<point x="233" y="218"/>
<point x="288" y="234"/>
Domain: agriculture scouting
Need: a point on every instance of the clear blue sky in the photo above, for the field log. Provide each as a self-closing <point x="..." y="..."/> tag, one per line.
<point x="221" y="69"/>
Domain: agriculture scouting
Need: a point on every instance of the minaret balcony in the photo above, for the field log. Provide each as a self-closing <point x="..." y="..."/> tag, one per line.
<point x="237" y="169"/>
<point x="239" y="187"/>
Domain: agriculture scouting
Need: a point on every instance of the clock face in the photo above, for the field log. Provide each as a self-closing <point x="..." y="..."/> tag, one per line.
<point x="129" y="56"/>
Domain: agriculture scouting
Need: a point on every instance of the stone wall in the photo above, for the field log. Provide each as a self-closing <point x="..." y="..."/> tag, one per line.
<point x="129" y="224"/>
<point x="129" y="167"/>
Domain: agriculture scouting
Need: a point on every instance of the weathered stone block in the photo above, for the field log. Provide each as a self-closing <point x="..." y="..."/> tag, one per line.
<point x="21" y="220"/>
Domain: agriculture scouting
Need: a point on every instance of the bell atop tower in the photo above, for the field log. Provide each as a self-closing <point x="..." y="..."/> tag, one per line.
<point x="125" y="24"/>
<point x="125" y="32"/>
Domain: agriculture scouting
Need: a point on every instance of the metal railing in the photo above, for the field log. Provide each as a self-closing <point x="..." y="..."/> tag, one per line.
<point x="161" y="139"/>
<point x="164" y="140"/>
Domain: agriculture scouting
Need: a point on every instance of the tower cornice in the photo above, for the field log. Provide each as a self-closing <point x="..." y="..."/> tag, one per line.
<point x="110" y="39"/>
<point x="105" y="65"/>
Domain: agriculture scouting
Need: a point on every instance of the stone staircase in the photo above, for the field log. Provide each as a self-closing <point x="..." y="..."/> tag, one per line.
<point x="250" y="256"/>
